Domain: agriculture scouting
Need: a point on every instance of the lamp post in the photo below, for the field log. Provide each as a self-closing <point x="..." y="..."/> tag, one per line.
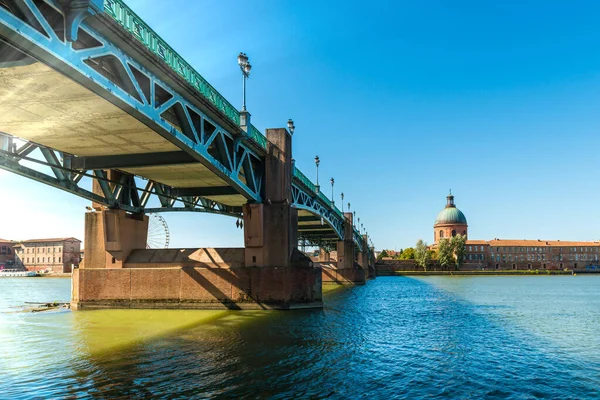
<point x="348" y="206"/>
<point x="291" y="126"/>
<point x="342" y="195"/>
<point x="332" y="182"/>
<point x="317" y="162"/>
<point x="354" y="215"/>
<point x="245" y="67"/>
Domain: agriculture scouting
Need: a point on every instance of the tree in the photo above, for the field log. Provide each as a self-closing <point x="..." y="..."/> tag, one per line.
<point x="458" y="249"/>
<point x="408" y="254"/>
<point x="432" y="255"/>
<point x="445" y="253"/>
<point x="422" y="254"/>
<point x="383" y="253"/>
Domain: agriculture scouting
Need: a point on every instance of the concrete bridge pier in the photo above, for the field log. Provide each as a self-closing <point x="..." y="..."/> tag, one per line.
<point x="283" y="275"/>
<point x="347" y="271"/>
<point x="269" y="273"/>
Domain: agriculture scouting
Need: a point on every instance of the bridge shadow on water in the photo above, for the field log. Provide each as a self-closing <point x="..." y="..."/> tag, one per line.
<point x="393" y="338"/>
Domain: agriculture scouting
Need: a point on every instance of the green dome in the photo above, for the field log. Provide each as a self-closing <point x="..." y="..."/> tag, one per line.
<point x="451" y="215"/>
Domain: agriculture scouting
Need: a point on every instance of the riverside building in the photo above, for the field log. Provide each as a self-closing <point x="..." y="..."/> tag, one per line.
<point x="514" y="254"/>
<point x="58" y="255"/>
<point x="7" y="257"/>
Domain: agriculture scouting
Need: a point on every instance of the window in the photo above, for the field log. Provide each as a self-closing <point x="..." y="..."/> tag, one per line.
<point x="3" y="250"/>
<point x="528" y="266"/>
<point x="38" y="259"/>
<point x="453" y="232"/>
<point x="58" y="259"/>
<point x="544" y="266"/>
<point x="441" y="234"/>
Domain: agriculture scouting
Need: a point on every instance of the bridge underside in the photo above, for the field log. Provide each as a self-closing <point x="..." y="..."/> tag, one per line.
<point x="42" y="106"/>
<point x="315" y="231"/>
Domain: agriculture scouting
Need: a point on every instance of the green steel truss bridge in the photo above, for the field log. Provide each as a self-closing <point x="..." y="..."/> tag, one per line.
<point x="87" y="88"/>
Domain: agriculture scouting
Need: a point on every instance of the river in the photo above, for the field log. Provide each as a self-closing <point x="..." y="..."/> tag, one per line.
<point x="396" y="337"/>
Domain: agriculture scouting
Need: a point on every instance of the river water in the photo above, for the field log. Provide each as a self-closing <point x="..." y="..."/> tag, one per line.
<point x="396" y="337"/>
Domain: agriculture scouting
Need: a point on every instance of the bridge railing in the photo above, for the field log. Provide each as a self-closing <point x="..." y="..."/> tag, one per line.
<point x="258" y="137"/>
<point x="304" y="179"/>
<point x="131" y="22"/>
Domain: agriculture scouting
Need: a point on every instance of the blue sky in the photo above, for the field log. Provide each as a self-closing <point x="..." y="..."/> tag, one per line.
<point x="401" y="101"/>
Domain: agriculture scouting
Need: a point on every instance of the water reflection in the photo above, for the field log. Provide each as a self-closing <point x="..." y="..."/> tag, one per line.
<point x="395" y="337"/>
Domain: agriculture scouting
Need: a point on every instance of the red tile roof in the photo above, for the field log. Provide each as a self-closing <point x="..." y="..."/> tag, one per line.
<point x="533" y="243"/>
<point x="50" y="240"/>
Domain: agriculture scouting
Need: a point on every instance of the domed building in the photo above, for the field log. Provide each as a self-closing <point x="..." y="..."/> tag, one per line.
<point x="449" y="222"/>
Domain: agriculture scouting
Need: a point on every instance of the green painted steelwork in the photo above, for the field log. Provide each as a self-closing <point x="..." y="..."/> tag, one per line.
<point x="132" y="23"/>
<point x="305" y="181"/>
<point x="258" y="137"/>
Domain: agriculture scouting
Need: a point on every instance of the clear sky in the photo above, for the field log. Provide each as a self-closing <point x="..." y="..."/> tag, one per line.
<point x="499" y="101"/>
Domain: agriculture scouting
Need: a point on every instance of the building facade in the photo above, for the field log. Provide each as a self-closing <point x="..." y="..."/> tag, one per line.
<point x="505" y="254"/>
<point x="532" y="254"/>
<point x="7" y="256"/>
<point x="59" y="255"/>
<point x="449" y="222"/>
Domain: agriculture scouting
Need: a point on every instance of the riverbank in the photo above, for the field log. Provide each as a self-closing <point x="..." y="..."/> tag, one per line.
<point x="484" y="273"/>
<point x="55" y="275"/>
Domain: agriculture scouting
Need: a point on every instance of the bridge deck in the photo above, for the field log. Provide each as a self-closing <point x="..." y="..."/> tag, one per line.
<point x="41" y="105"/>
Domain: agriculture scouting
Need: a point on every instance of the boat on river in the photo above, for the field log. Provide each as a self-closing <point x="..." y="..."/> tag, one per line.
<point x="17" y="273"/>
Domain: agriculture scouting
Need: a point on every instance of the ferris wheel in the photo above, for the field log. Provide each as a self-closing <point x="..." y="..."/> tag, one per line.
<point x="158" y="232"/>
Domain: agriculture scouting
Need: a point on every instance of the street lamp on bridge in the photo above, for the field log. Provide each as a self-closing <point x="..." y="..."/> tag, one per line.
<point x="317" y="162"/>
<point x="342" y="195"/>
<point x="245" y="67"/>
<point x="291" y="126"/>
<point x="332" y="182"/>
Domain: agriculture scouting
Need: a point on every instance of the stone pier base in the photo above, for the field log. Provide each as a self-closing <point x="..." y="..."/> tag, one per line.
<point x="198" y="288"/>
<point x="346" y="276"/>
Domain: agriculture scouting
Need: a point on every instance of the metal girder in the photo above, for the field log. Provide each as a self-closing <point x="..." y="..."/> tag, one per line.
<point x="133" y="160"/>
<point x="122" y="192"/>
<point x="135" y="89"/>
<point x="207" y="191"/>
<point x="303" y="200"/>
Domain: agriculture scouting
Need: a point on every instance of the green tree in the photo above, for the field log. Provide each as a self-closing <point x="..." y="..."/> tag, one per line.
<point x="445" y="253"/>
<point x="432" y="255"/>
<point x="458" y="249"/>
<point x="383" y="253"/>
<point x="408" y="254"/>
<point x="422" y="254"/>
